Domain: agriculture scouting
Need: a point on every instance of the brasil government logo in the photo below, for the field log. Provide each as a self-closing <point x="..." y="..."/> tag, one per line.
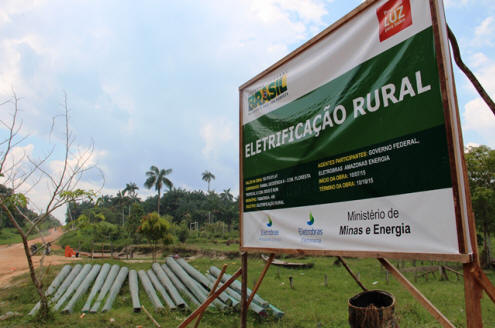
<point x="268" y="92"/>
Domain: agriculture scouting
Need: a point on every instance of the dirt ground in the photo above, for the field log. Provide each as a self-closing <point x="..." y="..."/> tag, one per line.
<point x="13" y="260"/>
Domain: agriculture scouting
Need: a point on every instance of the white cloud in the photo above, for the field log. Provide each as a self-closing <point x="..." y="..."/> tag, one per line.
<point x="216" y="134"/>
<point x="477" y="117"/>
<point x="480" y="119"/>
<point x="16" y="164"/>
<point x="478" y="59"/>
<point x="83" y="159"/>
<point x="264" y="29"/>
<point x="39" y="187"/>
<point x="470" y="145"/>
<point x="483" y="33"/>
<point x="9" y="8"/>
<point x="456" y="3"/>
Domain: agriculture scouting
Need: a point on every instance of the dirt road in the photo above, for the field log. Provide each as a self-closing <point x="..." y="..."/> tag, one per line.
<point x="13" y="260"/>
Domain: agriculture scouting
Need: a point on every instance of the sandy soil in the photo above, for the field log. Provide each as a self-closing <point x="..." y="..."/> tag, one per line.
<point x="13" y="260"/>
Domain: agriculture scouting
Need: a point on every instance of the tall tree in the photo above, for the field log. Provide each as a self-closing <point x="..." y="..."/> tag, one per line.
<point x="157" y="178"/>
<point x="130" y="189"/>
<point x="208" y="176"/>
<point x="481" y="171"/>
<point x="226" y="195"/>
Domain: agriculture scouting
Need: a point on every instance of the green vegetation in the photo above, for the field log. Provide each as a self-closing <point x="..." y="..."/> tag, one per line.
<point x="8" y="234"/>
<point x="11" y="236"/>
<point x="113" y="222"/>
<point x="480" y="162"/>
<point x="309" y="304"/>
<point x="156" y="228"/>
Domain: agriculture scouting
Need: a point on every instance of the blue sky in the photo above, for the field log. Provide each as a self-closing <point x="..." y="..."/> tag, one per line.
<point x="156" y="82"/>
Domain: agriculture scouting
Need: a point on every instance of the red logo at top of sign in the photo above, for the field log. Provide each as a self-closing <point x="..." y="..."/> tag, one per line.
<point x="393" y="16"/>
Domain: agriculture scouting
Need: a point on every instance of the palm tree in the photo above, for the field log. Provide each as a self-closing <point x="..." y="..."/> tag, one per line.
<point x="130" y="188"/>
<point x="157" y="178"/>
<point x="226" y="195"/>
<point x="208" y="176"/>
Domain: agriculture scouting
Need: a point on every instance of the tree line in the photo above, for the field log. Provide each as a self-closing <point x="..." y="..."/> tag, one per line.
<point x="168" y="216"/>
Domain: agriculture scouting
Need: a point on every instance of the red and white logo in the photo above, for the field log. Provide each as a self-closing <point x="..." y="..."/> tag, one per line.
<point x="393" y="16"/>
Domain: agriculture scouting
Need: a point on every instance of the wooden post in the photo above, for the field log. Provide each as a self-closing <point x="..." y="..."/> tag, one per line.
<point x="210" y="299"/>
<point x="485" y="283"/>
<point x="150" y="316"/>
<point x="258" y="283"/>
<point x="212" y="291"/>
<point x="417" y="294"/>
<point x="244" y="307"/>
<point x="472" y="294"/>
<point x="356" y="279"/>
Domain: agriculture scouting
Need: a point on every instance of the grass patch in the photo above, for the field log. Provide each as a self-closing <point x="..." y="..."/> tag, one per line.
<point x="10" y="236"/>
<point x="309" y="304"/>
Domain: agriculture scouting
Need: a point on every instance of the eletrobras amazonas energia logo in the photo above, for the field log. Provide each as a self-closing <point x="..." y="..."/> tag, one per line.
<point x="268" y="92"/>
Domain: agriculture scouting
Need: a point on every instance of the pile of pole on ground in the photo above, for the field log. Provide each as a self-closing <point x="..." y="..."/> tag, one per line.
<point x="174" y="283"/>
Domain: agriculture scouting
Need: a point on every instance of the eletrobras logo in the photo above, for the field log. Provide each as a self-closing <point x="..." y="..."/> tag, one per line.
<point x="268" y="93"/>
<point x="269" y="234"/>
<point x="312" y="235"/>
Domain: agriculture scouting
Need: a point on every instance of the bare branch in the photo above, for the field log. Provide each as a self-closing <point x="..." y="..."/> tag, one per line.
<point x="11" y="128"/>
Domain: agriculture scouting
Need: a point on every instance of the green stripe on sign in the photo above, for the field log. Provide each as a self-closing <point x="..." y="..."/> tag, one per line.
<point x="412" y="163"/>
<point x="286" y="137"/>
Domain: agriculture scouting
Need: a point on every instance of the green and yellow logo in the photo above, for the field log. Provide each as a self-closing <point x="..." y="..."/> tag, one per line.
<point x="268" y="92"/>
<point x="311" y="219"/>
<point x="269" y="223"/>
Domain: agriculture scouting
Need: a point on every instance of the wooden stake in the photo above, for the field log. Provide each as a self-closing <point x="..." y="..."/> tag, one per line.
<point x="356" y="279"/>
<point x="150" y="316"/>
<point x="212" y="291"/>
<point x="417" y="294"/>
<point x="244" y="307"/>
<point x="210" y="299"/>
<point x="485" y="283"/>
<point x="260" y="279"/>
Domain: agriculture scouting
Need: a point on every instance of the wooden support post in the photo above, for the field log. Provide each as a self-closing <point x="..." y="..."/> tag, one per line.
<point x="472" y="295"/>
<point x="356" y="279"/>
<point x="212" y="291"/>
<point x="485" y="283"/>
<point x="244" y="307"/>
<point x="210" y="299"/>
<point x="150" y="316"/>
<point x="260" y="279"/>
<point x="417" y="294"/>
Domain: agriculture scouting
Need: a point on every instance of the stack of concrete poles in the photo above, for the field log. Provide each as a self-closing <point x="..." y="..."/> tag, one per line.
<point x="176" y="281"/>
<point x="114" y="270"/>
<point x="105" y="268"/>
<point x="53" y="286"/>
<point x="258" y="305"/>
